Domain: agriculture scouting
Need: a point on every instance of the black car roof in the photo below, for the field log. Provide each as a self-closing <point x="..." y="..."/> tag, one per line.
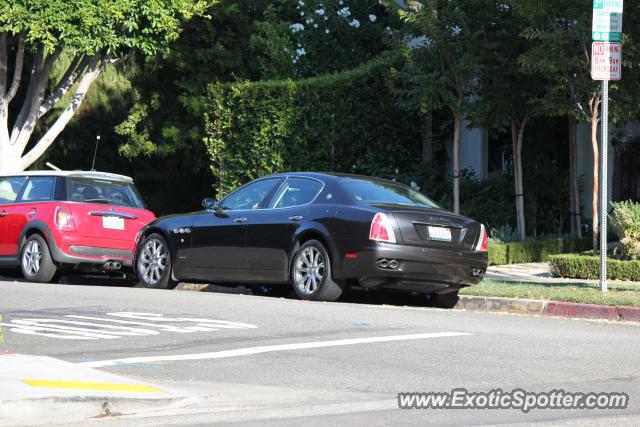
<point x="330" y="175"/>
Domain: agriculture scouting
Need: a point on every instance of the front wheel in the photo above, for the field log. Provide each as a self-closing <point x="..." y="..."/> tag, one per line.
<point x="311" y="273"/>
<point x="35" y="260"/>
<point x="153" y="263"/>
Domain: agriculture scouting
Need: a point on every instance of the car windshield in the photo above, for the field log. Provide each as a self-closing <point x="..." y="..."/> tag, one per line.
<point x="372" y="192"/>
<point x="86" y="190"/>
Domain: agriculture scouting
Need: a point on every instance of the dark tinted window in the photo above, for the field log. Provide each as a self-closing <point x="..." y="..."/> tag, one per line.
<point x="38" y="189"/>
<point x="9" y="188"/>
<point x="296" y="192"/>
<point x="385" y="192"/>
<point x="251" y="196"/>
<point x="90" y="190"/>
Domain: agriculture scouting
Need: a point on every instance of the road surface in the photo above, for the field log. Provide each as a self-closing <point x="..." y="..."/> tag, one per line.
<point x="272" y="361"/>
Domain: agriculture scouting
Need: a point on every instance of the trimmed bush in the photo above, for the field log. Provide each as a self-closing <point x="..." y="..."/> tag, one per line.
<point x="533" y="251"/>
<point x="625" y="221"/>
<point x="343" y="122"/>
<point x="575" y="266"/>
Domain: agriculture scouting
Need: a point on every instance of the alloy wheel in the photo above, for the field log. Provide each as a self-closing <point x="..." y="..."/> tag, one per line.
<point x="309" y="270"/>
<point x="31" y="258"/>
<point x="153" y="261"/>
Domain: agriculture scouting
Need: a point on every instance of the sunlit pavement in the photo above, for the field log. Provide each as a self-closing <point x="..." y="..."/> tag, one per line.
<point x="261" y="360"/>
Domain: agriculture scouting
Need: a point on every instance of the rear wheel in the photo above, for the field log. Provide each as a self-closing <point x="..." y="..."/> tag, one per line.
<point x="153" y="263"/>
<point x="448" y="300"/>
<point x="311" y="273"/>
<point x="35" y="260"/>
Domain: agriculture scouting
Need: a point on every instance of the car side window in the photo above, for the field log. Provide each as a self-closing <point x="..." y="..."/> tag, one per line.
<point x="252" y="196"/>
<point x="9" y="188"/>
<point x="38" y="189"/>
<point x="296" y="192"/>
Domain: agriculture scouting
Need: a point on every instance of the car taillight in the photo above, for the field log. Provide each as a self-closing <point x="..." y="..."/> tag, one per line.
<point x="381" y="229"/>
<point x="63" y="218"/>
<point x="482" y="242"/>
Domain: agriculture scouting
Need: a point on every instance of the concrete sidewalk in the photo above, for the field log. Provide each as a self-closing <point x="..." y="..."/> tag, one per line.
<point x="537" y="272"/>
<point x="35" y="388"/>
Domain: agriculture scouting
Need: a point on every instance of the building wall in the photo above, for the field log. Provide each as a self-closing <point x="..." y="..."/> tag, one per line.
<point x="585" y="163"/>
<point x="474" y="150"/>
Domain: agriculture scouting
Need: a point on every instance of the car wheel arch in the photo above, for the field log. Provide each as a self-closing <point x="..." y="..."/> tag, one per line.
<point x="312" y="234"/>
<point x="36" y="227"/>
<point x="148" y="232"/>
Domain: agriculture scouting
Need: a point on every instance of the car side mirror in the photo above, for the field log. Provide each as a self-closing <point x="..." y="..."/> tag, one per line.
<point x="209" y="204"/>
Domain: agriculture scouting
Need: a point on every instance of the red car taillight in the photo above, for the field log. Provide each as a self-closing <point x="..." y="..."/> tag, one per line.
<point x="381" y="229"/>
<point x="63" y="219"/>
<point x="482" y="242"/>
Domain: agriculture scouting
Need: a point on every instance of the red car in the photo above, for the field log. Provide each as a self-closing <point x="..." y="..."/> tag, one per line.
<point x="51" y="221"/>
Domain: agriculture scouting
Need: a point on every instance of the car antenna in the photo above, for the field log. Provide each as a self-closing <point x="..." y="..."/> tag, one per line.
<point x="95" y="152"/>
<point x="52" y="166"/>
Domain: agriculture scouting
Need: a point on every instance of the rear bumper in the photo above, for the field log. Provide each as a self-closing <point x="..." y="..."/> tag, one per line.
<point x="70" y="249"/>
<point x="418" y="269"/>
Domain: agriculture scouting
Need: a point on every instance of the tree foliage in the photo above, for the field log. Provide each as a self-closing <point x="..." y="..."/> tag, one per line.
<point x="324" y="123"/>
<point x="36" y="34"/>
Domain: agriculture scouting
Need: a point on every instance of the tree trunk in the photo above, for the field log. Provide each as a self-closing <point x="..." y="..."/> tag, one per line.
<point x="427" y="141"/>
<point x="517" y="137"/>
<point x="12" y="150"/>
<point x="596" y="166"/>
<point x="456" y="162"/>
<point x="576" y="217"/>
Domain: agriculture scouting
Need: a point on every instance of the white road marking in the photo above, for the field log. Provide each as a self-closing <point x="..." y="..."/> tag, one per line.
<point x="74" y="327"/>
<point x="270" y="348"/>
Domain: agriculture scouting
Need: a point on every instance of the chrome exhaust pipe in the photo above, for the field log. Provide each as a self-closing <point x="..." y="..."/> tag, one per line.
<point x="112" y="265"/>
<point x="388" y="264"/>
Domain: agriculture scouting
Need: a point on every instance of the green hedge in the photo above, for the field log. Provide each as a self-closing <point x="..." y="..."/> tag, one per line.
<point x="533" y="251"/>
<point x="576" y="266"/>
<point x="344" y="122"/>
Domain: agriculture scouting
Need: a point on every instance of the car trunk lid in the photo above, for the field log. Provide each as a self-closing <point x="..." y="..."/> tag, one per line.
<point x="433" y="227"/>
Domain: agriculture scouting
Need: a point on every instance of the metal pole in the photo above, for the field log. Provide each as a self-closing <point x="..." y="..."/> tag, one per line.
<point x="95" y="153"/>
<point x="603" y="185"/>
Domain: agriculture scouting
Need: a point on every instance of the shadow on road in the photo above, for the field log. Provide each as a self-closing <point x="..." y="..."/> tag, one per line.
<point x="350" y="296"/>
<point x="354" y="296"/>
<point x="14" y="275"/>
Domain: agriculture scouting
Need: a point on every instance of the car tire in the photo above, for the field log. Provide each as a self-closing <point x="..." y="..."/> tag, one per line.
<point x="311" y="274"/>
<point x="153" y="263"/>
<point x="36" y="262"/>
<point x="448" y="300"/>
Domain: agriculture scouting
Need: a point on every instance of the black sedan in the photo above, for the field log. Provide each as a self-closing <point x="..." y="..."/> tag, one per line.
<point x="320" y="233"/>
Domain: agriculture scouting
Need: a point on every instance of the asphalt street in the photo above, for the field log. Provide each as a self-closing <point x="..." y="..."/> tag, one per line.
<point x="274" y="361"/>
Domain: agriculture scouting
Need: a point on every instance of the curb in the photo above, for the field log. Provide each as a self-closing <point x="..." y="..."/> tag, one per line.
<point x="548" y="308"/>
<point x="39" y="387"/>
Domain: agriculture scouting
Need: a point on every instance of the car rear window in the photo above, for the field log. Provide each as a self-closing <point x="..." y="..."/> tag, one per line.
<point x="87" y="190"/>
<point x="385" y="192"/>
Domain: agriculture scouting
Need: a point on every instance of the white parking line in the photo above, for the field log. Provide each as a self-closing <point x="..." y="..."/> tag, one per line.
<point x="270" y="348"/>
<point x="93" y="328"/>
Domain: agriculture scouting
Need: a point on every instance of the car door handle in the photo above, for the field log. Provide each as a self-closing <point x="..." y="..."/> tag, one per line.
<point x="4" y="213"/>
<point x="241" y="219"/>
<point x="296" y="218"/>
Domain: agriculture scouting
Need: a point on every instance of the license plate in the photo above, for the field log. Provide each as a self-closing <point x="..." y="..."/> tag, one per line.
<point x="442" y="234"/>
<point x="113" y="222"/>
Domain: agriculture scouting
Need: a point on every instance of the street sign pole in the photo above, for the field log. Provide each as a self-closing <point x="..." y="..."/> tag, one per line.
<point x="606" y="64"/>
<point x="603" y="185"/>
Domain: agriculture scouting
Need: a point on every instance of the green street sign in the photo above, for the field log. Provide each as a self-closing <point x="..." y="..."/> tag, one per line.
<point x="606" y="37"/>
<point x="607" y="20"/>
<point x="610" y="6"/>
